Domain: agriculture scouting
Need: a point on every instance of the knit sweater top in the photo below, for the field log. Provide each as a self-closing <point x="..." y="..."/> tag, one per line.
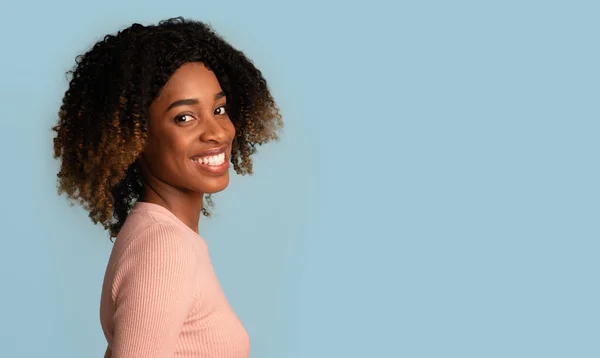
<point x="161" y="297"/>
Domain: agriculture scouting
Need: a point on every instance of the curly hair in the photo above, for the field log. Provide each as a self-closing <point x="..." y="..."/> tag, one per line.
<point x="102" y="128"/>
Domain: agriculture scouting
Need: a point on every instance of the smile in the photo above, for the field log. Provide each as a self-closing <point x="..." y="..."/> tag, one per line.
<point x="212" y="160"/>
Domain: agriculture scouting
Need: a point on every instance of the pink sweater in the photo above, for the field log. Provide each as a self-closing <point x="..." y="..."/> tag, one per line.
<point x="161" y="297"/>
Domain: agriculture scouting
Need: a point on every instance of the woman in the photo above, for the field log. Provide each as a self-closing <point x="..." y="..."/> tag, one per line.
<point x="151" y="119"/>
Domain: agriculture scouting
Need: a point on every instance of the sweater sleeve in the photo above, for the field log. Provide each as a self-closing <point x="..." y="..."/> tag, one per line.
<point x="153" y="293"/>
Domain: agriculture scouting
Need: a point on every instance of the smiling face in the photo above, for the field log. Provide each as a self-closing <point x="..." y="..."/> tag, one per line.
<point x="190" y="133"/>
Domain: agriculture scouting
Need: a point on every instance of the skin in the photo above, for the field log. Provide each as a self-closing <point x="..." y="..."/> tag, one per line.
<point x="179" y="130"/>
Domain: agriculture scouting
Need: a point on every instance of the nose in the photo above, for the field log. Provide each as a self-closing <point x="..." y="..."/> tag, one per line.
<point x="213" y="129"/>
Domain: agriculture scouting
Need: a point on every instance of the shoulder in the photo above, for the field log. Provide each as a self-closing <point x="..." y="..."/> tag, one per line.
<point x="158" y="245"/>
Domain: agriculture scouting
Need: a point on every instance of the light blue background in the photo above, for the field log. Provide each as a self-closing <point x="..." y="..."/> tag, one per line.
<point x="435" y="193"/>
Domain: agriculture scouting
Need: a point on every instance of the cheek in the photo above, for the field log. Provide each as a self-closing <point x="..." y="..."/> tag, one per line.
<point x="165" y="146"/>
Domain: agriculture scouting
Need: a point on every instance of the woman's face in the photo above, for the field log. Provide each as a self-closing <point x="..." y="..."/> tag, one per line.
<point x="190" y="133"/>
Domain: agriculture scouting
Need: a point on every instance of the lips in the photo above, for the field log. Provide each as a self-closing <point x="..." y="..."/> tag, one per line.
<point x="211" y="152"/>
<point x="214" y="160"/>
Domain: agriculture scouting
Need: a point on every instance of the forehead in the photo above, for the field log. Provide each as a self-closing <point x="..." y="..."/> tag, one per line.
<point x="191" y="80"/>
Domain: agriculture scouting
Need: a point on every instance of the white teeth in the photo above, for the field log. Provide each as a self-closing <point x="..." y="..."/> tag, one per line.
<point x="211" y="160"/>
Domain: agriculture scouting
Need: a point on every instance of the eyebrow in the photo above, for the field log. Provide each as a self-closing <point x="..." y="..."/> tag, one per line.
<point x="191" y="101"/>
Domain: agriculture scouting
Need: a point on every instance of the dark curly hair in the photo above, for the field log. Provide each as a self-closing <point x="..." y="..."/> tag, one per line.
<point x="101" y="129"/>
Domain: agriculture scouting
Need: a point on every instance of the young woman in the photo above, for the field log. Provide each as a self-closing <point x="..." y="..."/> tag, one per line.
<point x="148" y="126"/>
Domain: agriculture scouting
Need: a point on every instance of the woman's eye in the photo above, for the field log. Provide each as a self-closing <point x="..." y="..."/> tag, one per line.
<point x="183" y="118"/>
<point x="220" y="110"/>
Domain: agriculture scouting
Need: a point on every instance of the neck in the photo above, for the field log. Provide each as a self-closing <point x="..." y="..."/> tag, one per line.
<point x="186" y="206"/>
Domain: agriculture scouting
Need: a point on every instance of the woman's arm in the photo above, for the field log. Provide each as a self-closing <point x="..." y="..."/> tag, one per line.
<point x="107" y="354"/>
<point x="154" y="293"/>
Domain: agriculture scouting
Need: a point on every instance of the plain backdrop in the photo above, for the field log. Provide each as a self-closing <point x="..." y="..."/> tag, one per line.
<point x="434" y="194"/>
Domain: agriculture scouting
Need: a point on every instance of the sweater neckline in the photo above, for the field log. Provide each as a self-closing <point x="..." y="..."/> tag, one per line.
<point x="146" y="206"/>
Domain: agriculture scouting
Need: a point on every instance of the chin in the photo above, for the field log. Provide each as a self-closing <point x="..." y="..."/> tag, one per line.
<point x="214" y="187"/>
